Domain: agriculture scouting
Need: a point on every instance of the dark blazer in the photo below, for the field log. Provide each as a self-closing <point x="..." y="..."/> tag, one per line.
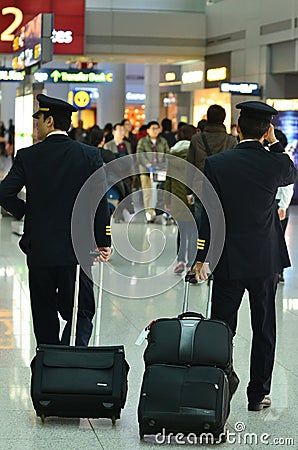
<point x="246" y="180"/>
<point x="53" y="172"/>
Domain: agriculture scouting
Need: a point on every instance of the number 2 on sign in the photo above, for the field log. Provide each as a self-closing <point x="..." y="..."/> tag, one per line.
<point x="8" y="33"/>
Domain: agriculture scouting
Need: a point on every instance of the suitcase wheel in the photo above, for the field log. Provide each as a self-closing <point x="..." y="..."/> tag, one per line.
<point x="43" y="418"/>
<point x="223" y="438"/>
<point x="223" y="435"/>
<point x="141" y="434"/>
<point x="113" y="418"/>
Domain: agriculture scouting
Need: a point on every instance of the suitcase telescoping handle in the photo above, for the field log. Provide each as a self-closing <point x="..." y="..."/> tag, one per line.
<point x="191" y="314"/>
<point x="76" y="304"/>
<point x="99" y="300"/>
<point x="75" y="308"/>
<point x="186" y="295"/>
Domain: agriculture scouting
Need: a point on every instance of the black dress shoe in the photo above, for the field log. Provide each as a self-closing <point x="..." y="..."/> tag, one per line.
<point x="258" y="406"/>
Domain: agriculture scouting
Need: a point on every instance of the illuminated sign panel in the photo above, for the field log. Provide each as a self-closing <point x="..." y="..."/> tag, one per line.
<point x="73" y="76"/>
<point x="283" y="104"/>
<point x="217" y="74"/>
<point x="170" y="76"/>
<point x="69" y="20"/>
<point x="10" y="75"/>
<point x="195" y="76"/>
<point x="135" y="96"/>
<point x="59" y="76"/>
<point x="81" y="99"/>
<point x="240" y="88"/>
<point x="31" y="44"/>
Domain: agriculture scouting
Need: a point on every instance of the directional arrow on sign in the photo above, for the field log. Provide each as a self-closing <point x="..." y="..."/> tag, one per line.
<point x="55" y="75"/>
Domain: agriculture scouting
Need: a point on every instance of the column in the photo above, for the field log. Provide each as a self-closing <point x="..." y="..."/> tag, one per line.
<point x="152" y="79"/>
<point x="111" y="101"/>
<point x="7" y="104"/>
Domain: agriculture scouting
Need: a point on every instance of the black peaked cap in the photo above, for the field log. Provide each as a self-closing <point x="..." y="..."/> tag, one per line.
<point x="53" y="105"/>
<point x="256" y="110"/>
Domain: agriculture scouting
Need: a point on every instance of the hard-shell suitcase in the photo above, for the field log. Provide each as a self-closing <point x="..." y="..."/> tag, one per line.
<point x="69" y="381"/>
<point x="183" y="399"/>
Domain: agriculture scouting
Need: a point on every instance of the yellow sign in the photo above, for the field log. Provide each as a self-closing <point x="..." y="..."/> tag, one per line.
<point x="195" y="76"/>
<point x="217" y="74"/>
<point x="283" y="104"/>
<point x="170" y="76"/>
<point x="81" y="99"/>
<point x="8" y="33"/>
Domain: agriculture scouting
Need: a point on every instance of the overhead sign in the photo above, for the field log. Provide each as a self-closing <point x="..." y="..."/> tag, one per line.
<point x="59" y="76"/>
<point x="282" y="104"/>
<point x="240" y="88"/>
<point x="217" y="74"/>
<point x="32" y="43"/>
<point x="170" y="76"/>
<point x="195" y="76"/>
<point x="10" y="75"/>
<point x="73" y="76"/>
<point x="135" y="96"/>
<point x="69" y="21"/>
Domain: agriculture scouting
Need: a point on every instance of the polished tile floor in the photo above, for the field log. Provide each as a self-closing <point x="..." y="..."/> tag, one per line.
<point x="139" y="286"/>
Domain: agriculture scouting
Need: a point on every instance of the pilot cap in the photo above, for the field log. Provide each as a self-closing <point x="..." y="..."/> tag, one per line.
<point x="53" y="106"/>
<point x="256" y="110"/>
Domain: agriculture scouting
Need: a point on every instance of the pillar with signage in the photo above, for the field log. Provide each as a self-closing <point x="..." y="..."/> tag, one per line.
<point x="152" y="76"/>
<point x="111" y="100"/>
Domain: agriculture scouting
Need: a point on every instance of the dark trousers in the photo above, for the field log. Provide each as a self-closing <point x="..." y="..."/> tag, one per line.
<point x="226" y="299"/>
<point x="52" y="291"/>
<point x="125" y="202"/>
<point x="186" y="243"/>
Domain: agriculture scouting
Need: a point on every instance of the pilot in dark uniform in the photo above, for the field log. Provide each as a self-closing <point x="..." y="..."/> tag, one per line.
<point x="246" y="180"/>
<point x="53" y="172"/>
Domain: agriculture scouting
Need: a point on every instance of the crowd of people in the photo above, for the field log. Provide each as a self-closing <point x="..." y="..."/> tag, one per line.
<point x="192" y="144"/>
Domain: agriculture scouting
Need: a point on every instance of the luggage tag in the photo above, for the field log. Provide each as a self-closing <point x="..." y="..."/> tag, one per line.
<point x="144" y="333"/>
<point x="142" y="336"/>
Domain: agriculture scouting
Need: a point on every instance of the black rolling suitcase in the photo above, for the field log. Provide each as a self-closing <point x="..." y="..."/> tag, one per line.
<point x="89" y="382"/>
<point x="183" y="399"/>
<point x="189" y="378"/>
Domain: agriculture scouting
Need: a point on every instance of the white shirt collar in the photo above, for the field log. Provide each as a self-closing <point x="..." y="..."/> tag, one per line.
<point x="57" y="132"/>
<point x="248" y="140"/>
